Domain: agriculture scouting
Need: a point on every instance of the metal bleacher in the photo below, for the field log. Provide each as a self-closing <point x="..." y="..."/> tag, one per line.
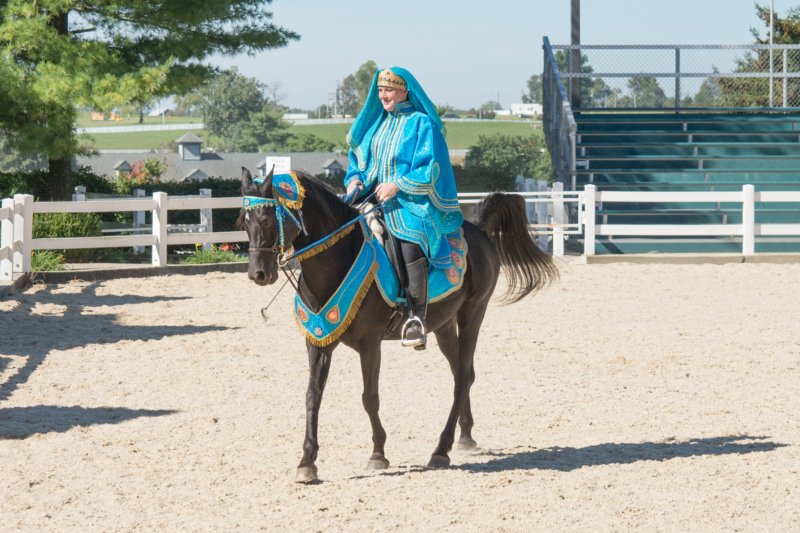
<point x="675" y="144"/>
<point x="689" y="151"/>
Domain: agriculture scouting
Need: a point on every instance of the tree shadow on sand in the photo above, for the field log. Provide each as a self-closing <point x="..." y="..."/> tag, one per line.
<point x="568" y="459"/>
<point x="22" y="422"/>
<point x="34" y="335"/>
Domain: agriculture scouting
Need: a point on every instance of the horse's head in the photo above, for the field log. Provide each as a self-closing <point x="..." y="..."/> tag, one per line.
<point x="262" y="218"/>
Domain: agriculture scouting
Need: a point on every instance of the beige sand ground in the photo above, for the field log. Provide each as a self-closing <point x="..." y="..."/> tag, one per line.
<point x="654" y="397"/>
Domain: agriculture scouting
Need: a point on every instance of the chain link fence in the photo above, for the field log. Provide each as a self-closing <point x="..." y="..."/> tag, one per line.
<point x="682" y="76"/>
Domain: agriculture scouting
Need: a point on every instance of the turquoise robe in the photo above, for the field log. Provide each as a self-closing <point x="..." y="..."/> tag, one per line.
<point x="407" y="149"/>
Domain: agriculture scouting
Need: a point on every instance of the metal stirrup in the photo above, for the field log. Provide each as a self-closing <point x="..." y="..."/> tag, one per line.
<point x="416" y="342"/>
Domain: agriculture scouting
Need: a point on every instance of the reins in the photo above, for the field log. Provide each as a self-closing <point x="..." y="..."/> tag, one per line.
<point x="310" y="250"/>
<point x="330" y="239"/>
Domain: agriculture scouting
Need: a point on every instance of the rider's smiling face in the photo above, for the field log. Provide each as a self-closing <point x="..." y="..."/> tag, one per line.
<point x="391" y="96"/>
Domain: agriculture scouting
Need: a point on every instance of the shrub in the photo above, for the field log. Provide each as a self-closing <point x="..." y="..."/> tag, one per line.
<point x="35" y="182"/>
<point x="47" y="261"/>
<point x="143" y="174"/>
<point x="215" y="255"/>
<point x="68" y="225"/>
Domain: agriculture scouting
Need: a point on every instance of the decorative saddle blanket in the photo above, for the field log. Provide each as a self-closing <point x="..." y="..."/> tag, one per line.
<point x="372" y="265"/>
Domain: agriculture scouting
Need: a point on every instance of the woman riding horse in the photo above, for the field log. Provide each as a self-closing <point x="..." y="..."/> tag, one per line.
<point x="397" y="150"/>
<point x="334" y="306"/>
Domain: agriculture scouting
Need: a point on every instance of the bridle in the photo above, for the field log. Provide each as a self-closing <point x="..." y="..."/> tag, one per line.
<point x="291" y="209"/>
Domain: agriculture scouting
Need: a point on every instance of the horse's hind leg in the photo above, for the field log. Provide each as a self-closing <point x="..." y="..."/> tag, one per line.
<point x="469" y="323"/>
<point x="319" y="362"/>
<point x="370" y="372"/>
<point x="447" y="338"/>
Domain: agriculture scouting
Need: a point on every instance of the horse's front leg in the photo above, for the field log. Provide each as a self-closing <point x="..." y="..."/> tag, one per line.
<point x="319" y="363"/>
<point x="370" y="373"/>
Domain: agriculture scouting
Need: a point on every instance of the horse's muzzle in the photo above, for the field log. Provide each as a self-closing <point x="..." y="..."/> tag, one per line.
<point x="261" y="277"/>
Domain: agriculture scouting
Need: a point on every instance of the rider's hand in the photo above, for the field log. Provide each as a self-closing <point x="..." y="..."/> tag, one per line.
<point x="385" y="191"/>
<point x="355" y="184"/>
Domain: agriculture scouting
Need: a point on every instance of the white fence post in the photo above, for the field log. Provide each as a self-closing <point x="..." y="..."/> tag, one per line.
<point x="558" y="219"/>
<point x="160" y="229"/>
<point x="206" y="219"/>
<point x="80" y="193"/>
<point x="23" y="232"/>
<point x="748" y="220"/>
<point x="138" y="219"/>
<point x="589" y="198"/>
<point x="7" y="242"/>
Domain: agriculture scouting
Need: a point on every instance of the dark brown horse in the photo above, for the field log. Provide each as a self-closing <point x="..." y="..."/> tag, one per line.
<point x="500" y="238"/>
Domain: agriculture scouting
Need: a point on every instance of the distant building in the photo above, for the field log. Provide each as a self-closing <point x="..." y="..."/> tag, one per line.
<point x="190" y="163"/>
<point x="526" y="110"/>
<point x="295" y="116"/>
<point x="333" y="168"/>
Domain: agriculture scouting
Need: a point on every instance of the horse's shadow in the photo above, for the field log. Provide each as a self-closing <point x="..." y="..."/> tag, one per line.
<point x="22" y="422"/>
<point x="566" y="459"/>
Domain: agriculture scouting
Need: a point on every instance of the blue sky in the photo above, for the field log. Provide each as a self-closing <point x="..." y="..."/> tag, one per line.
<point x="468" y="52"/>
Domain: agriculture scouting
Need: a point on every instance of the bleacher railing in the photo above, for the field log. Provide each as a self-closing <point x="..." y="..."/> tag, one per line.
<point x="682" y="76"/>
<point x="558" y="121"/>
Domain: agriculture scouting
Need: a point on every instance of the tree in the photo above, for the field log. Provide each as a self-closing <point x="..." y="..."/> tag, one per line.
<point x="352" y="92"/>
<point x="602" y="95"/>
<point x="534" y="94"/>
<point x="59" y="54"/>
<point x="227" y="101"/>
<point x="239" y="116"/>
<point x="347" y="96"/>
<point x="308" y="142"/>
<point x="709" y="94"/>
<point x="501" y="158"/>
<point x="754" y="92"/>
<point x="646" y="92"/>
<point x="562" y="60"/>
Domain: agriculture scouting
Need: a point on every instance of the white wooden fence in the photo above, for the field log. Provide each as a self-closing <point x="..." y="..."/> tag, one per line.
<point x="17" y="242"/>
<point x="564" y="214"/>
<point x="748" y="230"/>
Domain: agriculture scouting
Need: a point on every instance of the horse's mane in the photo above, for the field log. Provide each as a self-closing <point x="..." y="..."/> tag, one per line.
<point x="323" y="199"/>
<point x="320" y="198"/>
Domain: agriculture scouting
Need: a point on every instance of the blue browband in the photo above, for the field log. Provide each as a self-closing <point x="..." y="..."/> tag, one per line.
<point x="289" y="195"/>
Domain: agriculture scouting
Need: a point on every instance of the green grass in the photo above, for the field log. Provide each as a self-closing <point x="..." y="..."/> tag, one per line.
<point x="47" y="261"/>
<point x="334" y="133"/>
<point x="460" y="135"/>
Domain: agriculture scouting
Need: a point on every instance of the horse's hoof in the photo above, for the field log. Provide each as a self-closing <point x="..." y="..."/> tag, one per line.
<point x="306" y="474"/>
<point x="439" y="461"/>
<point x="466" y="444"/>
<point x="376" y="463"/>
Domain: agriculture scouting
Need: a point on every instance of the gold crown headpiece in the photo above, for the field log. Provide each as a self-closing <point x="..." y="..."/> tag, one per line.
<point x="387" y="78"/>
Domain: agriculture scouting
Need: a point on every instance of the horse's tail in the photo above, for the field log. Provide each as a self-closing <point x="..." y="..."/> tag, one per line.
<point x="502" y="217"/>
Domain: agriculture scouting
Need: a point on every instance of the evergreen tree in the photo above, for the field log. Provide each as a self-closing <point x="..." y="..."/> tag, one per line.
<point x="754" y="92"/>
<point x="60" y="54"/>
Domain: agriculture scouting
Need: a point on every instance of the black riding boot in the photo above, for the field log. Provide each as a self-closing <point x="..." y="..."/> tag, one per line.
<point x="415" y="329"/>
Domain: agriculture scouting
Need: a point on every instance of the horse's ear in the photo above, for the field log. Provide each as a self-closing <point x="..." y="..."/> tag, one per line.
<point x="247" y="178"/>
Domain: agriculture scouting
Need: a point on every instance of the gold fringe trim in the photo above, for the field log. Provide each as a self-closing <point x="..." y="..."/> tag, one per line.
<point x="324" y="246"/>
<point x="301" y="194"/>
<point x="334" y="335"/>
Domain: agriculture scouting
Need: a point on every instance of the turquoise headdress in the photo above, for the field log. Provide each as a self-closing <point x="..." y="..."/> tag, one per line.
<point x="288" y="195"/>
<point x="367" y="121"/>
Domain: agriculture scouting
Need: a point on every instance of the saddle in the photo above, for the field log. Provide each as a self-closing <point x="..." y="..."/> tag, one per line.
<point x="378" y="261"/>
